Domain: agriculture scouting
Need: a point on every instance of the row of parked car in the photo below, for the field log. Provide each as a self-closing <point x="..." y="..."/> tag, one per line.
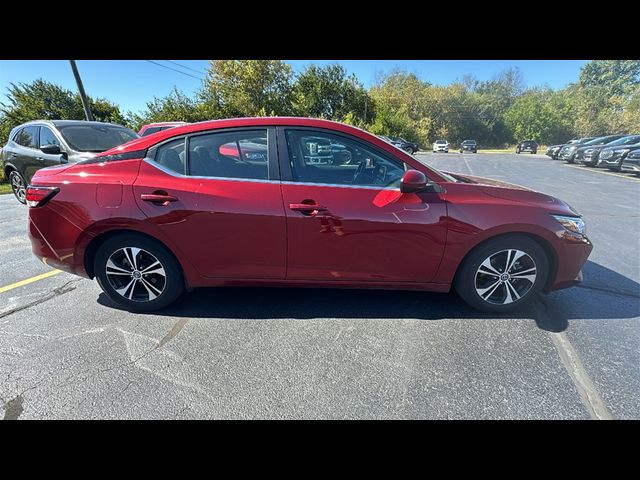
<point x="619" y="152"/>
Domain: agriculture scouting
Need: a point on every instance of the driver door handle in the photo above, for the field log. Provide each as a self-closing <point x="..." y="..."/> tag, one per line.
<point x="307" y="207"/>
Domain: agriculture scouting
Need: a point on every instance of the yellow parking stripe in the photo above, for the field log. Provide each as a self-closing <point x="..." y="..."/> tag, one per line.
<point x="604" y="173"/>
<point x="29" y="280"/>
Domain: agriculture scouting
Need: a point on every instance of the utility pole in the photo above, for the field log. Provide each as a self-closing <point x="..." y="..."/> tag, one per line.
<point x="83" y="96"/>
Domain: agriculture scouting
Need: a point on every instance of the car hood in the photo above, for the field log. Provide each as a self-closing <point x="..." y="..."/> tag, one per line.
<point x="516" y="193"/>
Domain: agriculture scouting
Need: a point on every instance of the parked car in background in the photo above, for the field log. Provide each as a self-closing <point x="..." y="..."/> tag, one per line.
<point x="591" y="156"/>
<point x="158" y="127"/>
<point x="210" y="219"/>
<point x="440" y="146"/>
<point x="44" y="143"/>
<point x="569" y="153"/>
<point x="613" y="158"/>
<point x="554" y="150"/>
<point x="469" y="146"/>
<point x="631" y="162"/>
<point x="527" y="146"/>
<point x="405" y="145"/>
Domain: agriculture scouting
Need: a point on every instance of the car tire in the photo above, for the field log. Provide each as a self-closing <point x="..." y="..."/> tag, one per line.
<point x="533" y="152"/>
<point x="615" y="168"/>
<point x="493" y="292"/>
<point x="18" y="186"/>
<point x="517" y="152"/>
<point x="138" y="292"/>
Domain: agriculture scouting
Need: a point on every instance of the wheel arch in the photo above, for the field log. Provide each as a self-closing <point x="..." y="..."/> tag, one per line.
<point x="546" y="246"/>
<point x="96" y="242"/>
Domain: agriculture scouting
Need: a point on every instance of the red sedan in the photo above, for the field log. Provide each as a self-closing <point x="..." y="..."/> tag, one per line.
<point x="257" y="201"/>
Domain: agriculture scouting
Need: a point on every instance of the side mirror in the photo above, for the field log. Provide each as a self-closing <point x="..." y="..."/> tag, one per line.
<point x="51" y="149"/>
<point x="413" y="181"/>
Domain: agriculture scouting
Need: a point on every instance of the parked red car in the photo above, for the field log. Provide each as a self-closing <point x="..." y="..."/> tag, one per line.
<point x="158" y="127"/>
<point x="245" y="202"/>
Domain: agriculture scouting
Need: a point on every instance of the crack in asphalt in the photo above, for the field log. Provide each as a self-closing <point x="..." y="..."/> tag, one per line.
<point x="620" y="293"/>
<point x="56" y="292"/>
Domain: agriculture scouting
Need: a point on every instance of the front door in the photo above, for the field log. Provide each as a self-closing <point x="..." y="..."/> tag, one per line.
<point x="346" y="217"/>
<point x="217" y="197"/>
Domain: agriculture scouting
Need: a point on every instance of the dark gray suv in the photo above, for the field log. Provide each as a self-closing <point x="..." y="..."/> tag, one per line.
<point x="43" y="143"/>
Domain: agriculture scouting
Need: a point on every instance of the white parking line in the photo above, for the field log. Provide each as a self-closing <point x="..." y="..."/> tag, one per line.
<point x="619" y="175"/>
<point x="586" y="389"/>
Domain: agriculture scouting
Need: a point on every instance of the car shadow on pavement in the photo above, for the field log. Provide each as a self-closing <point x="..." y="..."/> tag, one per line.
<point x="605" y="294"/>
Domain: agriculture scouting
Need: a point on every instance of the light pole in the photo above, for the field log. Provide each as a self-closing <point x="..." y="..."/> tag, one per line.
<point x="83" y="96"/>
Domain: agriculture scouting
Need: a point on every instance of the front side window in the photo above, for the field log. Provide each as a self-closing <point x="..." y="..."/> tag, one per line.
<point x="243" y="155"/>
<point x="319" y="157"/>
<point x="47" y="137"/>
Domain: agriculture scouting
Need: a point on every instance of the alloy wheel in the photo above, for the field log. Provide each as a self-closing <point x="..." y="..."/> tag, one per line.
<point x="18" y="186"/>
<point x="505" y="277"/>
<point x="136" y="274"/>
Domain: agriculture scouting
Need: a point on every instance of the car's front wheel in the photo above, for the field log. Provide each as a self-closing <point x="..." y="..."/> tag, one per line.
<point x="18" y="185"/>
<point x="138" y="273"/>
<point x="503" y="274"/>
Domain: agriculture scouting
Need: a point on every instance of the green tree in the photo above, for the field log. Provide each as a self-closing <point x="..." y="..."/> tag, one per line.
<point x="244" y="88"/>
<point x="614" y="76"/>
<point x="42" y="100"/>
<point x="328" y="92"/>
<point x="175" y="107"/>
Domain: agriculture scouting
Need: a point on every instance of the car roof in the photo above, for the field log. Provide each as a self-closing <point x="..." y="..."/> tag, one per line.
<point x="150" y="140"/>
<point x="62" y="123"/>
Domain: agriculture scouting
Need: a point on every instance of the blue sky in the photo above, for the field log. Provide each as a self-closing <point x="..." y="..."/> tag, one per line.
<point x="132" y="83"/>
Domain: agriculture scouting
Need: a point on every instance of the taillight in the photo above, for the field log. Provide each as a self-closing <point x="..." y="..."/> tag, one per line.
<point x="38" y="196"/>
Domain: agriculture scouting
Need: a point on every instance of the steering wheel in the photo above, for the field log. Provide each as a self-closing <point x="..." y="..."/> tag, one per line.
<point x="359" y="171"/>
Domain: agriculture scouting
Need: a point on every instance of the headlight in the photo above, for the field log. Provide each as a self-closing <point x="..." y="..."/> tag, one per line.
<point x="573" y="224"/>
<point x="621" y="151"/>
<point x="634" y="154"/>
<point x="571" y="149"/>
<point x="590" y="150"/>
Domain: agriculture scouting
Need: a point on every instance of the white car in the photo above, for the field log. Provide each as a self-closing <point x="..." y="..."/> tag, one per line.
<point x="441" y="146"/>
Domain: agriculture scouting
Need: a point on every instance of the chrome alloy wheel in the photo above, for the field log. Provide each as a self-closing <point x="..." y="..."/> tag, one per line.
<point x="505" y="277"/>
<point x="136" y="274"/>
<point x="18" y="187"/>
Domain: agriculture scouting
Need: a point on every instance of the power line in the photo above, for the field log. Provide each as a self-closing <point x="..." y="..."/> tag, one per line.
<point x="175" y="70"/>
<point x="188" y="68"/>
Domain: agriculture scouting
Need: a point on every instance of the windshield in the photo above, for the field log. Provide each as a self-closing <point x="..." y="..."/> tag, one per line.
<point x="469" y="142"/>
<point x="599" y="141"/>
<point x="626" y="140"/>
<point x="441" y="141"/>
<point x="96" y="138"/>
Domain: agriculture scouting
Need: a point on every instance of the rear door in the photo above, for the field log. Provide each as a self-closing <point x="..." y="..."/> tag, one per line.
<point x="29" y="158"/>
<point x="216" y="196"/>
<point x="349" y="221"/>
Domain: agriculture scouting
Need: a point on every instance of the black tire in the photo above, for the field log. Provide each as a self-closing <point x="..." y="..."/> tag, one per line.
<point x="615" y="168"/>
<point x="465" y="281"/>
<point x="172" y="284"/>
<point x="18" y="186"/>
<point x="517" y="151"/>
<point x="475" y="151"/>
<point x="461" y="151"/>
<point x="533" y="152"/>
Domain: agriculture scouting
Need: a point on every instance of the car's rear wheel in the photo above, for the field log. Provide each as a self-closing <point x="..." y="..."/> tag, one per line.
<point x="138" y="273"/>
<point x="518" y="151"/>
<point x="503" y="274"/>
<point x="18" y="185"/>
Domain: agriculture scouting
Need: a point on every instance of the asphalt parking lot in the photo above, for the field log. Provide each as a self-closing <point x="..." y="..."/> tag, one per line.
<point x="66" y="352"/>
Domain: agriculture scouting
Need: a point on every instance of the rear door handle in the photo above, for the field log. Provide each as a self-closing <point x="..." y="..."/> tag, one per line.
<point x="158" y="199"/>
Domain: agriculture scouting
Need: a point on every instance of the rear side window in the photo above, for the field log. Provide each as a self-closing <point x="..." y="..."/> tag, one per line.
<point x="243" y="155"/>
<point x="171" y="156"/>
<point x="151" y="130"/>
<point x="28" y="137"/>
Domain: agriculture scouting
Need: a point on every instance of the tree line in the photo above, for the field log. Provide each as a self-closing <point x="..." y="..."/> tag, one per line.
<point x="605" y="98"/>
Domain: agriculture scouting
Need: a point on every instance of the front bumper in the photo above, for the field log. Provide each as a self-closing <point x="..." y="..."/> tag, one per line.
<point x="441" y="149"/>
<point x="631" y="165"/>
<point x="575" y="251"/>
<point x="590" y="159"/>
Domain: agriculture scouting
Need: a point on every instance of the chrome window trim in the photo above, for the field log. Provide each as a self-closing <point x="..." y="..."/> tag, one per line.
<point x="155" y="164"/>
